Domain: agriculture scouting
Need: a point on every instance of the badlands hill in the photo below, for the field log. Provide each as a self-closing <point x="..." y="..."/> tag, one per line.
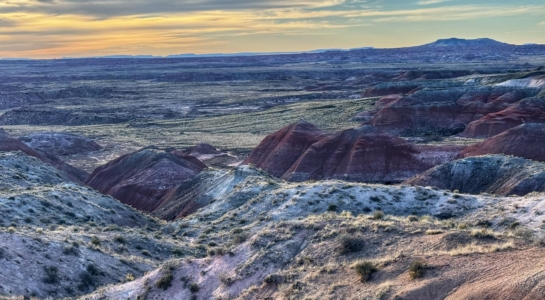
<point x="270" y="239"/>
<point x="142" y="178"/>
<point x="300" y="152"/>
<point x="495" y="174"/>
<point x="59" y="239"/>
<point x="525" y="141"/>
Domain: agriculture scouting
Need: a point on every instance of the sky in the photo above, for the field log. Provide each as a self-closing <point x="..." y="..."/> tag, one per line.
<point x="79" y="28"/>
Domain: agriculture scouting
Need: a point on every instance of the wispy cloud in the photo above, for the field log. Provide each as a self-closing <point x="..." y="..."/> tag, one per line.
<point x="53" y="28"/>
<point x="430" y="2"/>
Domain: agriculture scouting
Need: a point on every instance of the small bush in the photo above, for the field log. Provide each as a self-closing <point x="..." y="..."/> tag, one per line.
<point x="417" y="268"/>
<point x="217" y="251"/>
<point x="11" y="230"/>
<point x="129" y="277"/>
<point x="378" y="215"/>
<point x="239" y="238"/>
<point x="225" y="279"/>
<point x="95" y="241"/>
<point x="194" y="287"/>
<point x="236" y="231"/>
<point x="273" y="279"/>
<point x="146" y="253"/>
<point x="51" y="275"/>
<point x="177" y="252"/>
<point x="482" y="233"/>
<point x="412" y="218"/>
<point x="165" y="282"/>
<point x="86" y="280"/>
<point x="350" y="244"/>
<point x="332" y="207"/>
<point x="93" y="270"/>
<point x="120" y="239"/>
<point x="365" y="269"/>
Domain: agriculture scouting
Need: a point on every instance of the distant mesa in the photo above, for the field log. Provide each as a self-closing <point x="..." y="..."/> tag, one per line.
<point x="526" y="141"/>
<point x="60" y="143"/>
<point x="456" y="42"/>
<point x="494" y="174"/>
<point x="142" y="178"/>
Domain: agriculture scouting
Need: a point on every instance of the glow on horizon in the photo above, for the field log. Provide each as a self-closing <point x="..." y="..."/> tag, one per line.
<point x="77" y="28"/>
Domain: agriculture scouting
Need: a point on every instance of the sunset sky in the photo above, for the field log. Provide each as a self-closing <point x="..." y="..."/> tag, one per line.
<point x="58" y="28"/>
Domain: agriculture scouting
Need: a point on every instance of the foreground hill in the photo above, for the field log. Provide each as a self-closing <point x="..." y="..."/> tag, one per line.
<point x="66" y="171"/>
<point x="270" y="239"/>
<point x="59" y="239"/>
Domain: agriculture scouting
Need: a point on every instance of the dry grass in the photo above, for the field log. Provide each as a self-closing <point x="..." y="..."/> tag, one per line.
<point x="479" y="249"/>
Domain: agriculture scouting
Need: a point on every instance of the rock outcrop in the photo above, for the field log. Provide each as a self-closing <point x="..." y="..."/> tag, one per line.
<point x="279" y="150"/>
<point x="526" y="141"/>
<point x="142" y="178"/>
<point x="494" y="174"/>
<point x="60" y="143"/>
<point x="529" y="110"/>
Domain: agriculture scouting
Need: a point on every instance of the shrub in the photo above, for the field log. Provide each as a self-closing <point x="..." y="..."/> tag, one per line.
<point x="146" y="253"/>
<point x="120" y="239"/>
<point x="129" y="277"/>
<point x="378" y="214"/>
<point x="165" y="282"/>
<point x="217" y="251"/>
<point x="11" y="230"/>
<point x="273" y="279"/>
<point x="350" y="244"/>
<point x="225" y="279"/>
<point x="365" y="269"/>
<point x="177" y="252"/>
<point x="86" y="280"/>
<point x="93" y="270"/>
<point x="412" y="218"/>
<point x="482" y="233"/>
<point x="332" y="207"/>
<point x="95" y="241"/>
<point x="70" y="250"/>
<point x="239" y="238"/>
<point x="194" y="287"/>
<point x="417" y="268"/>
<point x="51" y="275"/>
